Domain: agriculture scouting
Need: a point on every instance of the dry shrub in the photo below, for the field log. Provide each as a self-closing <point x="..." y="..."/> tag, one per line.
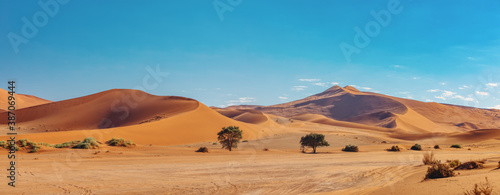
<point x="202" y="149"/>
<point x="394" y="149"/>
<point x="429" y="159"/>
<point x="470" y="165"/>
<point x="454" y="163"/>
<point x="439" y="170"/>
<point x="266" y="149"/>
<point x="481" y="188"/>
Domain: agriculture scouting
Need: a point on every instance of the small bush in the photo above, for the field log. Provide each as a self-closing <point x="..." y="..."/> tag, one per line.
<point x="470" y="165"/>
<point x="3" y="144"/>
<point x="454" y="163"/>
<point x="23" y="142"/>
<point x="202" y="149"/>
<point x="33" y="146"/>
<point x="416" y="147"/>
<point x="456" y="146"/>
<point x="215" y="143"/>
<point x="87" y="143"/>
<point x="439" y="171"/>
<point x="350" y="148"/>
<point x="120" y="142"/>
<point x="429" y="159"/>
<point x="384" y="142"/>
<point x="245" y="140"/>
<point x="482" y="188"/>
<point x="67" y="144"/>
<point x="265" y="149"/>
<point x="436" y="147"/>
<point x="11" y="146"/>
<point x="394" y="149"/>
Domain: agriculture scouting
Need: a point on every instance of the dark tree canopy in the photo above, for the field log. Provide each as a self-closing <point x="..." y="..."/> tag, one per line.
<point x="314" y="140"/>
<point x="229" y="137"/>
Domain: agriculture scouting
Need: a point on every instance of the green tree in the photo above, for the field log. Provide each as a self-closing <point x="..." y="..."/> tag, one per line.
<point x="314" y="140"/>
<point x="229" y="137"/>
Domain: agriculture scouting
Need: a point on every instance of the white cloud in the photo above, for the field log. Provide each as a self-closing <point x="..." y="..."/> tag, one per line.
<point x="309" y="80"/>
<point x="469" y="99"/>
<point x="448" y="93"/>
<point x="442" y="83"/>
<point x="496" y="107"/>
<point x="433" y="90"/>
<point x="481" y="93"/>
<point x="359" y="87"/>
<point x="320" y="84"/>
<point x="299" y="88"/>
<point x="334" y="83"/>
<point x="415" y="78"/>
<point x="440" y="97"/>
<point x="492" y="84"/>
<point x="282" y="97"/>
<point x="428" y="100"/>
<point x="241" y="100"/>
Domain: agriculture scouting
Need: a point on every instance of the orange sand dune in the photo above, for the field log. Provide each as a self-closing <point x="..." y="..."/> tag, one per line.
<point x="112" y="108"/>
<point x="22" y="101"/>
<point x="377" y="110"/>
<point x="200" y="124"/>
<point x="317" y="118"/>
<point x="245" y="115"/>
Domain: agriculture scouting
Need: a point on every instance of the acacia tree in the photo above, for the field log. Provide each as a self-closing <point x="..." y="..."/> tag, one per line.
<point x="229" y="137"/>
<point x="313" y="140"/>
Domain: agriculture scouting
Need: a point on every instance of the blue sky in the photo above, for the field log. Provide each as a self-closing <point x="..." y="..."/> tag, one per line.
<point x="255" y="52"/>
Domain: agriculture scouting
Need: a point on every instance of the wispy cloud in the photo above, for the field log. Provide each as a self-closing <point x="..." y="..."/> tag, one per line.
<point x="397" y="66"/>
<point x="496" y="107"/>
<point x="364" y="88"/>
<point x="464" y="87"/>
<point x="320" y="84"/>
<point x="481" y="93"/>
<point x="440" y="97"/>
<point x="298" y="88"/>
<point x="448" y="93"/>
<point x="433" y="90"/>
<point x="469" y="99"/>
<point x="283" y="97"/>
<point x="334" y="83"/>
<point x="309" y="80"/>
<point x="492" y="84"/>
<point x="442" y="83"/>
<point x="241" y="100"/>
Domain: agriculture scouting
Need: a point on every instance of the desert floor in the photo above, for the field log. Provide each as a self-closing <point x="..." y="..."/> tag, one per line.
<point x="283" y="169"/>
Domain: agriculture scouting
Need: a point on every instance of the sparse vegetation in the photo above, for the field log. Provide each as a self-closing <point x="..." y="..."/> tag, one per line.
<point x="120" y="142"/>
<point x="3" y="144"/>
<point x="229" y="137"/>
<point x="87" y="143"/>
<point x="436" y="147"/>
<point x="456" y="146"/>
<point x="350" y="148"/>
<point x="429" y="159"/>
<point x="470" y="165"/>
<point x="313" y="140"/>
<point x="265" y="149"/>
<point x="11" y="146"/>
<point x="439" y="170"/>
<point x="454" y="163"/>
<point x="245" y="140"/>
<point x="33" y="146"/>
<point x="215" y="143"/>
<point x="202" y="149"/>
<point x="394" y="149"/>
<point x="416" y="147"/>
<point x="67" y="144"/>
<point x="481" y="188"/>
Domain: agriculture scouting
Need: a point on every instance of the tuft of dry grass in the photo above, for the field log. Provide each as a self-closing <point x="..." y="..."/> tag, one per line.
<point x="481" y="188"/>
<point x="471" y="165"/>
<point x="439" y="170"/>
<point x="429" y="159"/>
<point x="202" y="149"/>
<point x="454" y="163"/>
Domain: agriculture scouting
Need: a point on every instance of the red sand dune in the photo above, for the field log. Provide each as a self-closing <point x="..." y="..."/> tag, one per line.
<point x="22" y="101"/>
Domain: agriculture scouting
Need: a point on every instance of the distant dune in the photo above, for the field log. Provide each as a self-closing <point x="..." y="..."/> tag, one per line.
<point x="377" y="110"/>
<point x="22" y="101"/>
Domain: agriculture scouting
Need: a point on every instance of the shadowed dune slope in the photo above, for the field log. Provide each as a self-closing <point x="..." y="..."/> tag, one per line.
<point x="377" y="110"/>
<point x="112" y="108"/>
<point x="22" y="101"/>
<point x="245" y="115"/>
<point x="200" y="124"/>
